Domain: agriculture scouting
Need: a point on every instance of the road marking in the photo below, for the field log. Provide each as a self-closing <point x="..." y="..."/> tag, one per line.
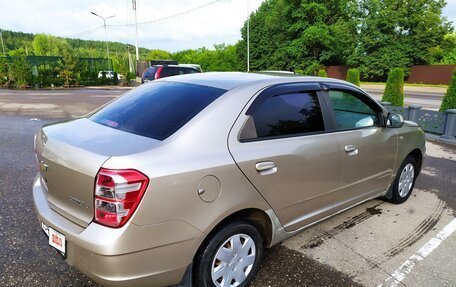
<point x="427" y="249"/>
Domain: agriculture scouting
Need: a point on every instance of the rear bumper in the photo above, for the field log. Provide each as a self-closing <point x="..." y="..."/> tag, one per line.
<point x="153" y="255"/>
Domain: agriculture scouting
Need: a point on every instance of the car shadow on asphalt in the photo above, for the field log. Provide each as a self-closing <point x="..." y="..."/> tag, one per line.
<point x="285" y="267"/>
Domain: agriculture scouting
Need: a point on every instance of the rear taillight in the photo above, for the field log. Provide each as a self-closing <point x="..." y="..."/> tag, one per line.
<point x="158" y="73"/>
<point x="117" y="195"/>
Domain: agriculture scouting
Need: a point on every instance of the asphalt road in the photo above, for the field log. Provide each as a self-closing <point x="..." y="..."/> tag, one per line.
<point x="62" y="101"/>
<point x="361" y="247"/>
<point x="428" y="97"/>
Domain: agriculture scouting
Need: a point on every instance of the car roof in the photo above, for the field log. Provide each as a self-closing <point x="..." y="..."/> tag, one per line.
<point x="176" y="66"/>
<point x="189" y="65"/>
<point x="231" y="80"/>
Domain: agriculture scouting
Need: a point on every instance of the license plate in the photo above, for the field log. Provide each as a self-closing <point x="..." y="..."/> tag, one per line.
<point x="56" y="239"/>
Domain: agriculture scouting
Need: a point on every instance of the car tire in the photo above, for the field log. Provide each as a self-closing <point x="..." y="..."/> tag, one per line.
<point x="405" y="181"/>
<point x="233" y="253"/>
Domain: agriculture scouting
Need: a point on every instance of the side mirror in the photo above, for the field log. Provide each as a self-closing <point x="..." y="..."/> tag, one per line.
<point x="394" y="121"/>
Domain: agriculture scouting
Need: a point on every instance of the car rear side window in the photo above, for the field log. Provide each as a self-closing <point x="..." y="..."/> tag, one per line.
<point x="157" y="110"/>
<point x="286" y="114"/>
<point x="189" y="71"/>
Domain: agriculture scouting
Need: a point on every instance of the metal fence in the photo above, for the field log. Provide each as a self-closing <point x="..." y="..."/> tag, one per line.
<point x="427" y="74"/>
<point x="438" y="123"/>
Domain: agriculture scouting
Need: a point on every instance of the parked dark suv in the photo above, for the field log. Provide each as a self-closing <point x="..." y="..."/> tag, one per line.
<point x="163" y="71"/>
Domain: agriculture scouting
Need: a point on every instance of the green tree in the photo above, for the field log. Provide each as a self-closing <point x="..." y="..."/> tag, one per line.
<point x="299" y="35"/>
<point x="269" y="38"/>
<point x="68" y="66"/>
<point x="14" y="41"/>
<point x="222" y="58"/>
<point x="158" y="55"/>
<point x="47" y="45"/>
<point x="394" y="90"/>
<point x="3" y="70"/>
<point x="445" y="53"/>
<point x="397" y="34"/>
<point x="322" y="73"/>
<point x="19" y="70"/>
<point x="353" y="76"/>
<point x="449" y="100"/>
<point x="120" y="63"/>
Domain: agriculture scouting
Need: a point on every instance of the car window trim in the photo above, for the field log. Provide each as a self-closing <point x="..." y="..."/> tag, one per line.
<point x="275" y="90"/>
<point x="325" y="132"/>
<point x="283" y="136"/>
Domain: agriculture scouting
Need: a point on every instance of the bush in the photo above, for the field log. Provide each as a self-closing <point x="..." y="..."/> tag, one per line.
<point x="19" y="71"/>
<point x="353" y="76"/>
<point x="322" y="73"/>
<point x="130" y="76"/>
<point x="394" y="90"/>
<point x="449" y="100"/>
<point x="3" y="71"/>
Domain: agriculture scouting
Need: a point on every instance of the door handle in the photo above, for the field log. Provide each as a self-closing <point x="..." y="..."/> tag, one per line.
<point x="351" y="149"/>
<point x="266" y="167"/>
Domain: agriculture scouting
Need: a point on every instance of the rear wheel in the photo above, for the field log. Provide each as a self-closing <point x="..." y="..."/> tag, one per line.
<point x="405" y="181"/>
<point x="231" y="257"/>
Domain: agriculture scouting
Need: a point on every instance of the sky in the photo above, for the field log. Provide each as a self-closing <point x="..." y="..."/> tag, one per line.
<point x="219" y="22"/>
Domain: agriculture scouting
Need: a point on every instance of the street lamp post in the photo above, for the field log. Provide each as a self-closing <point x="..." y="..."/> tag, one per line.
<point x="248" y="37"/>
<point x="133" y="2"/>
<point x="106" y="35"/>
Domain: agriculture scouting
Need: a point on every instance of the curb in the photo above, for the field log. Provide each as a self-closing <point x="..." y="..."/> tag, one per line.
<point x="437" y="138"/>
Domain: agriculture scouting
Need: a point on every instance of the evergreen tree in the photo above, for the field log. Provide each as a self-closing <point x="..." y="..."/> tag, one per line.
<point x="68" y="66"/>
<point x="449" y="100"/>
<point x="3" y="70"/>
<point x="322" y="73"/>
<point x="353" y="76"/>
<point x="394" y="90"/>
<point x="19" y="70"/>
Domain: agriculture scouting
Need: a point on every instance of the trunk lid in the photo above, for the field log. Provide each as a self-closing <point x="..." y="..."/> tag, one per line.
<point x="70" y="155"/>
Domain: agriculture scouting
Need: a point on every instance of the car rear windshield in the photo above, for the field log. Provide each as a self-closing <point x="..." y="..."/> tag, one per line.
<point x="158" y="109"/>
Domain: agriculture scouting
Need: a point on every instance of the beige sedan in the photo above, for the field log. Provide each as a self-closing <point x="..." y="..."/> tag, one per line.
<point x="186" y="180"/>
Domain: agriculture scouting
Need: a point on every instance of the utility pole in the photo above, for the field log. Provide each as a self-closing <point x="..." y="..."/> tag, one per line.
<point x="3" y="46"/>
<point x="248" y="37"/>
<point x="136" y="24"/>
<point x="130" y="62"/>
<point x="106" y="36"/>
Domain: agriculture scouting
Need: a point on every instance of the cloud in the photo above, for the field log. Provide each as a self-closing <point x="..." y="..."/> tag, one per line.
<point x="216" y="23"/>
<point x="450" y="11"/>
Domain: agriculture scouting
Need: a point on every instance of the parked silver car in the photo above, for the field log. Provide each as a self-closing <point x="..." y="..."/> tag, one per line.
<point x="186" y="179"/>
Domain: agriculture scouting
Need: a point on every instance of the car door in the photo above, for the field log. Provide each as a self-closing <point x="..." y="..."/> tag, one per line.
<point x="279" y="143"/>
<point x="368" y="148"/>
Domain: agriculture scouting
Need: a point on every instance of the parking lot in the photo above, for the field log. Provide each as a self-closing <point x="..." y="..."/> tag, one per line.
<point x="369" y="245"/>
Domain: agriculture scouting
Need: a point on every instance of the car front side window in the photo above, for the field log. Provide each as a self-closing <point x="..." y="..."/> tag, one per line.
<point x="351" y="112"/>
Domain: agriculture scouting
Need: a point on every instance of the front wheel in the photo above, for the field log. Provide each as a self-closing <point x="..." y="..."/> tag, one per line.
<point x="231" y="257"/>
<point x="404" y="181"/>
